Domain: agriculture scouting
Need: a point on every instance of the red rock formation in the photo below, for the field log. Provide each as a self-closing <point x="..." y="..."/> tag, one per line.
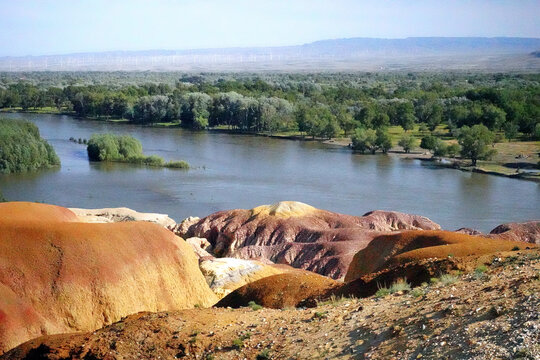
<point x="58" y="277"/>
<point x="299" y="235"/>
<point x="527" y="232"/>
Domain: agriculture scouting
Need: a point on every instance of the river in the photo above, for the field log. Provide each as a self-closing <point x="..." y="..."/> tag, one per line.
<point x="240" y="171"/>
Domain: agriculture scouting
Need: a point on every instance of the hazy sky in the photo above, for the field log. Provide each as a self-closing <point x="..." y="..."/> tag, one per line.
<point x="33" y="27"/>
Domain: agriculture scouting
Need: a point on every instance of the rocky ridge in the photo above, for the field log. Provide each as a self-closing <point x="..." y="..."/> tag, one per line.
<point x="299" y="235"/>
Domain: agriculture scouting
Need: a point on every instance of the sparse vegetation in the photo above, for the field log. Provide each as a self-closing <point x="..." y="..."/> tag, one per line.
<point x="320" y="314"/>
<point x="254" y="306"/>
<point x="400" y="285"/>
<point x="447" y="279"/>
<point x="382" y="291"/>
<point x="480" y="272"/>
<point x="238" y="343"/>
<point x="335" y="300"/>
<point x="263" y="355"/>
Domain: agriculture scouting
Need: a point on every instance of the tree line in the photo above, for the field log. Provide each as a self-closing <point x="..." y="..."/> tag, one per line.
<point x="317" y="105"/>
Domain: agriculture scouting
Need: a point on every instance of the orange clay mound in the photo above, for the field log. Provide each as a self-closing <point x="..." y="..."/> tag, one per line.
<point x="27" y="211"/>
<point x="386" y="251"/>
<point x="421" y="271"/>
<point x="64" y="277"/>
<point x="290" y="289"/>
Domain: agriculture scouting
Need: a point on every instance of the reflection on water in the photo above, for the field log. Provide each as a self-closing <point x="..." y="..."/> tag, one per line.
<point x="237" y="171"/>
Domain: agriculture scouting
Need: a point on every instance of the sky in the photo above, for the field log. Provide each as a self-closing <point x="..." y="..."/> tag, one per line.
<point x="47" y="27"/>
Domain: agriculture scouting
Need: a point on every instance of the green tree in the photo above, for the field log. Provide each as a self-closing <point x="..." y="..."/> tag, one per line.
<point x="440" y="149"/>
<point x="384" y="141"/>
<point x="452" y="150"/>
<point x="22" y="148"/>
<point x="364" y="139"/>
<point x="428" y="111"/>
<point x="475" y="143"/>
<point x="365" y="114"/>
<point x="428" y="142"/>
<point x="405" y="116"/>
<point x="510" y="130"/>
<point x="380" y="120"/>
<point x="407" y="142"/>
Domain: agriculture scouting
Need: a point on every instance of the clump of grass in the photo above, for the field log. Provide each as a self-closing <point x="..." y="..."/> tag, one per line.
<point x="400" y="285"/>
<point x="335" y="300"/>
<point x="238" y="343"/>
<point x="382" y="292"/>
<point x="263" y="355"/>
<point x="245" y="336"/>
<point x="178" y="164"/>
<point x="417" y="292"/>
<point x="254" y="306"/>
<point x="434" y="281"/>
<point x="447" y="279"/>
<point x="320" y="314"/>
<point x="480" y="271"/>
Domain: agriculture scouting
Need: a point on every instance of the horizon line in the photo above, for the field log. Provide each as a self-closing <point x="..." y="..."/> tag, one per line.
<point x="268" y="46"/>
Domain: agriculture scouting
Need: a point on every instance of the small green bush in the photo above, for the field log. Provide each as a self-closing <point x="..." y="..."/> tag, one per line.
<point x="481" y="269"/>
<point x="320" y="314"/>
<point x="263" y="355"/>
<point x="108" y="147"/>
<point x="238" y="343"/>
<point x="254" y="306"/>
<point x="417" y="292"/>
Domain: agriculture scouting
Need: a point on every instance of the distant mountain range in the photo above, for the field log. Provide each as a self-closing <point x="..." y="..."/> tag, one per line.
<point x="367" y="54"/>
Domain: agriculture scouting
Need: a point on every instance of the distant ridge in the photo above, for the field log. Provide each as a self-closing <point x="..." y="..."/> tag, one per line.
<point x="413" y="53"/>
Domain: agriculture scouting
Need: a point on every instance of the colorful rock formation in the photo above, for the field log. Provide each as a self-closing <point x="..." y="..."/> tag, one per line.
<point x="299" y="235"/>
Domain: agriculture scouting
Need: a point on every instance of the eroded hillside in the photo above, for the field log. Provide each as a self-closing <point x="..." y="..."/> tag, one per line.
<point x="489" y="313"/>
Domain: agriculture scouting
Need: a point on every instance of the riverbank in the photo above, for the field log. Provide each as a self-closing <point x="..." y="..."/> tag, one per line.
<point x="516" y="160"/>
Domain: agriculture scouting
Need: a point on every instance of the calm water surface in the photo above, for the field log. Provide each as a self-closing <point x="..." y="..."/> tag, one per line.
<point x="236" y="171"/>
